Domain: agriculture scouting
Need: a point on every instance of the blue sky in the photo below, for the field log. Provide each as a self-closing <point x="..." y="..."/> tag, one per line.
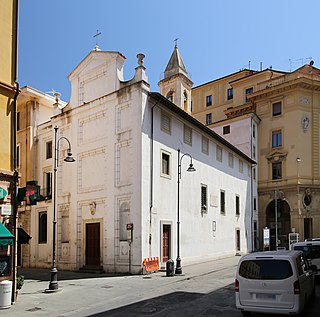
<point x="216" y="37"/>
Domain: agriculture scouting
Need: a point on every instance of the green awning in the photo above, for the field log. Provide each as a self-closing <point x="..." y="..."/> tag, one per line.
<point x="6" y="237"/>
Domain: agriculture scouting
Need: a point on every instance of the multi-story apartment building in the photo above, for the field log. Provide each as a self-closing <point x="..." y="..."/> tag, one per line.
<point x="34" y="109"/>
<point x="272" y="116"/>
<point x="9" y="90"/>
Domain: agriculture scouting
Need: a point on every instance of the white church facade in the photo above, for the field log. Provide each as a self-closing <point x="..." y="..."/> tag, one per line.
<point x="130" y="146"/>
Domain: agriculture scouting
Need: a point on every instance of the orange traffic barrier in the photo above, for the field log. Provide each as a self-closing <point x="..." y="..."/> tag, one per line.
<point x="151" y="264"/>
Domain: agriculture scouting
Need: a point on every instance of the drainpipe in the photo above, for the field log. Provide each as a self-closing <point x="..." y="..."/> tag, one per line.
<point x="151" y="181"/>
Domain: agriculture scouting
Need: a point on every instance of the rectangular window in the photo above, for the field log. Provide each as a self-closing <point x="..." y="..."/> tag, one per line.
<point x="165" y="123"/>
<point x="254" y="151"/>
<point x="42" y="234"/>
<point x="276" y="138"/>
<point x="219" y="153"/>
<point x="276" y="109"/>
<point x="254" y="173"/>
<point x="47" y="190"/>
<point x="231" y="160"/>
<point x="205" y="145"/>
<point x="191" y="105"/>
<point x="187" y="135"/>
<point x="248" y="92"/>
<point x="226" y="129"/>
<point x="209" y="101"/>
<point x="237" y="205"/>
<point x="240" y="166"/>
<point x="230" y="93"/>
<point x="18" y="155"/>
<point x="254" y="131"/>
<point x="165" y="164"/>
<point x="18" y="121"/>
<point x="49" y="150"/>
<point x="208" y="118"/>
<point x="222" y="202"/>
<point x="277" y="170"/>
<point x="254" y="203"/>
<point x="204" y="198"/>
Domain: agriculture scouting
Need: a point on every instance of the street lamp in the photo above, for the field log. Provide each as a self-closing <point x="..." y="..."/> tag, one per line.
<point x="190" y="169"/>
<point x="53" y="285"/>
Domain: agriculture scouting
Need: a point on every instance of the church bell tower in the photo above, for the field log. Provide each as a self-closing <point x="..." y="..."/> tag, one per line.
<point x="176" y="85"/>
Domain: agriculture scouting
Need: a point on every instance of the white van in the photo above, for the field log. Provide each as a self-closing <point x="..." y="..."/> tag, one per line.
<point x="311" y="250"/>
<point x="279" y="282"/>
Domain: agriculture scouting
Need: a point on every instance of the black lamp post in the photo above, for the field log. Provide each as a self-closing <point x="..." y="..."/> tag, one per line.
<point x="53" y="285"/>
<point x="190" y="169"/>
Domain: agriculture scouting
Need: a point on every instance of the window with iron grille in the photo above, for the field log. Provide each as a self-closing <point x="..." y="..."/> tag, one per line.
<point x="204" y="198"/>
<point x="222" y="202"/>
<point x="226" y="129"/>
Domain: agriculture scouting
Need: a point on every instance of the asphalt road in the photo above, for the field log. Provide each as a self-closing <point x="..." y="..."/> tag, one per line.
<point x="204" y="290"/>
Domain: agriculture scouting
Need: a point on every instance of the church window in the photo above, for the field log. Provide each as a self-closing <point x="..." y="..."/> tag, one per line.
<point x="187" y="135"/>
<point x="205" y="145"/>
<point x="165" y="164"/>
<point x="219" y="153"/>
<point x="165" y="123"/>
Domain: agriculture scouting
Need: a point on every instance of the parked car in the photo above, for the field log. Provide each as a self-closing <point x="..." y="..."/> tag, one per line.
<point x="279" y="282"/>
<point x="311" y="250"/>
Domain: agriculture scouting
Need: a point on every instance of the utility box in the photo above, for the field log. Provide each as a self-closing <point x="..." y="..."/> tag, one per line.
<point x="5" y="294"/>
<point x="170" y="268"/>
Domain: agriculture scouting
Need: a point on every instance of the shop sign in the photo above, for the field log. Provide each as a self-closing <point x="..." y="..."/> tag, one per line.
<point x="3" y="193"/>
<point x="6" y="210"/>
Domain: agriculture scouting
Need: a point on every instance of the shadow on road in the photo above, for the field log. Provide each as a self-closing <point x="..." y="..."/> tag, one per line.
<point x="44" y="275"/>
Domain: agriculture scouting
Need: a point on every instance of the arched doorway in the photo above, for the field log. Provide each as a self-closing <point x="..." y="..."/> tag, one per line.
<point x="283" y="223"/>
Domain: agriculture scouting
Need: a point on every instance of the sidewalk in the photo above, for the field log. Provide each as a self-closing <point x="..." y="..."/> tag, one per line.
<point x="82" y="293"/>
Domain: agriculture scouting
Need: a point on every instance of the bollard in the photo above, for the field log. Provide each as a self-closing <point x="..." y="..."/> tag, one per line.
<point x="170" y="268"/>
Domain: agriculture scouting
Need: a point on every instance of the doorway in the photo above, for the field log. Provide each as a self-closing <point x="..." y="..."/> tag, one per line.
<point x="308" y="228"/>
<point x="166" y="240"/>
<point x="93" y="244"/>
